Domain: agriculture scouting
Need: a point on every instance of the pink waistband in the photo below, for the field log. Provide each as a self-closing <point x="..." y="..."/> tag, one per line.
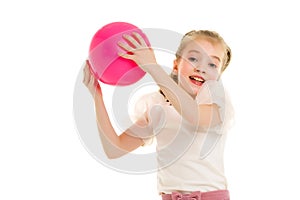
<point x="212" y="195"/>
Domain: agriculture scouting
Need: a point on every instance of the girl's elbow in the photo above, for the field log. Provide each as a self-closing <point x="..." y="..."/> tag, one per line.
<point x="111" y="155"/>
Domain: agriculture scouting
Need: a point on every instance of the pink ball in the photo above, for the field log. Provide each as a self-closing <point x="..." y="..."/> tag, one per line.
<point x="106" y="64"/>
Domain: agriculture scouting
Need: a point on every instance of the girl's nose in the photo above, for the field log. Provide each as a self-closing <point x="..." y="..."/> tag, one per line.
<point x="199" y="69"/>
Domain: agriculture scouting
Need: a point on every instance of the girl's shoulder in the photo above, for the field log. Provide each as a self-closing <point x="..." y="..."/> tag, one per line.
<point x="152" y="98"/>
<point x="145" y="102"/>
<point x="213" y="91"/>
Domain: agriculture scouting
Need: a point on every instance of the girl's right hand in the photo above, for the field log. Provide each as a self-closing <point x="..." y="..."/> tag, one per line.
<point x="138" y="51"/>
<point x="90" y="81"/>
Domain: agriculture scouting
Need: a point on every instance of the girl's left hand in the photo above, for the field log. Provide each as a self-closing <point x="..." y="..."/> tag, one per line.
<point x="90" y="80"/>
<point x="138" y="51"/>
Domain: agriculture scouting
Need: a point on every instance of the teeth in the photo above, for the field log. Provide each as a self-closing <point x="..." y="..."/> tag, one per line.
<point x="197" y="79"/>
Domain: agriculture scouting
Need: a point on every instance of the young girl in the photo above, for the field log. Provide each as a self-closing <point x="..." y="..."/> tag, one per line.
<point x="189" y="117"/>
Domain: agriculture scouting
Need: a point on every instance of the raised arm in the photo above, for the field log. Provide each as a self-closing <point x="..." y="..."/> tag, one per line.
<point x="114" y="145"/>
<point x="203" y="115"/>
<point x="186" y="105"/>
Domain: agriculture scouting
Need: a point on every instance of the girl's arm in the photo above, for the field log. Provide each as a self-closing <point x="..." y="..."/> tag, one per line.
<point x="114" y="145"/>
<point x="202" y="115"/>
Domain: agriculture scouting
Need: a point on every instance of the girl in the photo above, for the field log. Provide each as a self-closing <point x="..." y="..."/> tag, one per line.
<point x="189" y="117"/>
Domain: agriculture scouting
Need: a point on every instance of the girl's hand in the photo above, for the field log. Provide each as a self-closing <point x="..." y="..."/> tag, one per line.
<point x="138" y="51"/>
<point x="90" y="81"/>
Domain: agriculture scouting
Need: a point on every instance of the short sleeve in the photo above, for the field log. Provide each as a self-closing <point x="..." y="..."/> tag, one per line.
<point x="147" y="117"/>
<point x="213" y="92"/>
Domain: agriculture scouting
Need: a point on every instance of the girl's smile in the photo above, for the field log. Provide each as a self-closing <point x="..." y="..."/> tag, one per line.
<point x="200" y="61"/>
<point x="197" y="80"/>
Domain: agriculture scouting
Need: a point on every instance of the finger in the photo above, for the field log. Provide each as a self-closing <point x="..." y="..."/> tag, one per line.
<point x="125" y="55"/>
<point x="89" y="66"/>
<point x="126" y="46"/>
<point x="131" y="40"/>
<point x="88" y="63"/>
<point x="92" y="81"/>
<point x="85" y="74"/>
<point x="140" y="39"/>
<point x="84" y="67"/>
<point x="85" y="70"/>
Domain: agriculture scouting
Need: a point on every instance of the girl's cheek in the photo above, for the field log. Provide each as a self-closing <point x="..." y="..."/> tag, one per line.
<point x="214" y="74"/>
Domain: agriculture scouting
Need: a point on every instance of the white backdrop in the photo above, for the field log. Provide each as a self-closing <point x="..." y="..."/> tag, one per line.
<point x="43" y="45"/>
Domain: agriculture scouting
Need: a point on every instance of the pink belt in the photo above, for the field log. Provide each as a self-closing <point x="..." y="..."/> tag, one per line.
<point x="212" y="195"/>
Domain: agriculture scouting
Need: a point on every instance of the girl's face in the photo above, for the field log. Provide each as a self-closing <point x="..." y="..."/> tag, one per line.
<point x="200" y="61"/>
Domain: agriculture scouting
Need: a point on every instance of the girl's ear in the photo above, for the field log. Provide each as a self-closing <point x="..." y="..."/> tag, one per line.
<point x="175" y="65"/>
<point x="174" y="73"/>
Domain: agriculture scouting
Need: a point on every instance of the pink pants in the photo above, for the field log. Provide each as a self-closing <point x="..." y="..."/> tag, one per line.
<point x="213" y="195"/>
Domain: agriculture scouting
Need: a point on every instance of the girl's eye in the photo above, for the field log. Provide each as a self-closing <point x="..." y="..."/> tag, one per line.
<point x="212" y="65"/>
<point x="192" y="59"/>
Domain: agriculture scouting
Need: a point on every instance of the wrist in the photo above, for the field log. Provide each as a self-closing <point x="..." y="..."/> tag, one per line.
<point x="151" y="68"/>
<point x="97" y="92"/>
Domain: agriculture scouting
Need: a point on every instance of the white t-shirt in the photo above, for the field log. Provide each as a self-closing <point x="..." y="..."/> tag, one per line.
<point x="189" y="158"/>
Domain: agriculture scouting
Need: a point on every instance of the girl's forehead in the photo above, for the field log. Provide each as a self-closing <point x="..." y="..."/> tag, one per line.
<point x="205" y="46"/>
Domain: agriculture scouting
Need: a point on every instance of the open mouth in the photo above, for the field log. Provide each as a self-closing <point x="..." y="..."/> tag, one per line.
<point x="197" y="80"/>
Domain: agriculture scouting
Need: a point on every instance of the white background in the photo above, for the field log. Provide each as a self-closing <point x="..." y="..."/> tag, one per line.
<point x="43" y="45"/>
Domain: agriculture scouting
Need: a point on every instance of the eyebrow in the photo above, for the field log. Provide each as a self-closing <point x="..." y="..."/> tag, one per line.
<point x="196" y="51"/>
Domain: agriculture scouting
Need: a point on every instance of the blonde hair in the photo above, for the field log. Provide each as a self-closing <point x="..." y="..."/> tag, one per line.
<point x="213" y="37"/>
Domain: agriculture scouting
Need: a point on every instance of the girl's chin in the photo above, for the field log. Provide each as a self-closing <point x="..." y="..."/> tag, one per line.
<point x="191" y="89"/>
<point x="193" y="92"/>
